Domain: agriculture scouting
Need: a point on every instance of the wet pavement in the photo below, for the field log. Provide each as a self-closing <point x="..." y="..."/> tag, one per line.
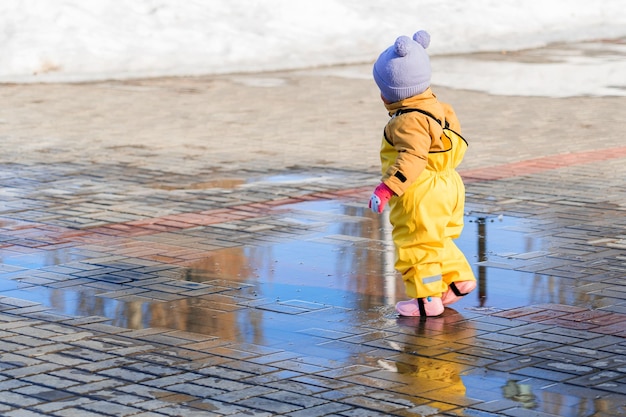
<point x="171" y="247"/>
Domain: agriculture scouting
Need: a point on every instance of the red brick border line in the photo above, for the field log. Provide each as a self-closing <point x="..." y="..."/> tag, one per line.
<point x="537" y="165"/>
<point x="181" y="221"/>
<point x="36" y="235"/>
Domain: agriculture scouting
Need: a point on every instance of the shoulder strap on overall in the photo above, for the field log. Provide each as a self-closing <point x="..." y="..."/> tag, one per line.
<point x="402" y="111"/>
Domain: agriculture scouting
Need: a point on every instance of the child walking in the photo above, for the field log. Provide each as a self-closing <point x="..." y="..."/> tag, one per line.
<point x="425" y="192"/>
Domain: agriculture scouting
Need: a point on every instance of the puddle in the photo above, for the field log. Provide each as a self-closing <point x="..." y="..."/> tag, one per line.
<point x="43" y="258"/>
<point x="315" y="292"/>
<point x="293" y="178"/>
<point x="82" y="303"/>
<point x="232" y="183"/>
<point x="343" y="260"/>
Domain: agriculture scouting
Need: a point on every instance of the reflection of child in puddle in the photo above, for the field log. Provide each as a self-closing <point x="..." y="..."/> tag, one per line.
<point x="446" y="375"/>
<point x="428" y="373"/>
<point x="519" y="392"/>
<point x="425" y="193"/>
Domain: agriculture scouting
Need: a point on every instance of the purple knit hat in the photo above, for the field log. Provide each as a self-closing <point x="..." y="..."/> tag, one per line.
<point x="403" y="69"/>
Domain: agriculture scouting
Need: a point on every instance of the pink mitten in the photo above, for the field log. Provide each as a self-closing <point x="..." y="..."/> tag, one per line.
<point x="380" y="197"/>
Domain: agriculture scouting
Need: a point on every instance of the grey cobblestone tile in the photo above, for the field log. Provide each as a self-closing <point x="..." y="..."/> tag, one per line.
<point x="225" y="409"/>
<point x="182" y="357"/>
<point x="126" y="375"/>
<point x="250" y="368"/>
<point x="23" y="413"/>
<point x="152" y="406"/>
<point x="77" y="375"/>
<point x="15" y="399"/>
<point x="225" y="373"/>
<point x="51" y="381"/>
<point x="198" y="391"/>
<point x="178" y="410"/>
<point x="103" y="328"/>
<point x="144" y="391"/>
<point x="616" y="386"/>
<point x="556" y="355"/>
<point x="121" y="398"/>
<point x="549" y="374"/>
<point x="291" y="385"/>
<point x="605" y="343"/>
<point x="61" y="359"/>
<point x="224" y="385"/>
<point x="551" y="337"/>
<point x="24" y="371"/>
<point x="265" y="404"/>
<point x="601" y="378"/>
<point x="44" y="393"/>
<point x="109" y="408"/>
<point x="89" y="354"/>
<point x="48" y="408"/>
<point x="9" y="347"/>
<point x="329" y="409"/>
<point x="304" y="401"/>
<point x="166" y="381"/>
<point x="93" y="388"/>
<point x="268" y="379"/>
<point x="103" y="364"/>
<point x="25" y="311"/>
<point x="9" y="303"/>
<point x="153" y="369"/>
<point x="246" y="393"/>
<point x="8" y="383"/>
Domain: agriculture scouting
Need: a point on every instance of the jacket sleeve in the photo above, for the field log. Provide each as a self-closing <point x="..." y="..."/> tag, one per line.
<point x="410" y="136"/>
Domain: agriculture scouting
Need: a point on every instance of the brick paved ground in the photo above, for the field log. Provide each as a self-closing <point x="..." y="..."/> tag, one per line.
<point x="201" y="247"/>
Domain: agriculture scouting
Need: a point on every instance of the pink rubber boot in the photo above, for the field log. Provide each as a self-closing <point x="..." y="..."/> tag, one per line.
<point x="423" y="307"/>
<point x="456" y="290"/>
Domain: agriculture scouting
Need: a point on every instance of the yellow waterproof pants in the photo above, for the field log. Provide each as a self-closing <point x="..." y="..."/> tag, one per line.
<point x="425" y="220"/>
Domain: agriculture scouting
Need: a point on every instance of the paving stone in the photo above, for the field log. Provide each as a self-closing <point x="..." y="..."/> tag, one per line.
<point x="110" y="408"/>
<point x="328" y="409"/>
<point x="241" y="394"/>
<point x="23" y="413"/>
<point x="178" y="410"/>
<point x="15" y="399"/>
<point x="21" y="372"/>
<point x="126" y="374"/>
<point x="265" y="404"/>
<point x="199" y="391"/>
<point x="93" y="388"/>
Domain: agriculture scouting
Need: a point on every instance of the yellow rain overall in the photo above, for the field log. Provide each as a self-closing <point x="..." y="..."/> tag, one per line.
<point x="419" y="164"/>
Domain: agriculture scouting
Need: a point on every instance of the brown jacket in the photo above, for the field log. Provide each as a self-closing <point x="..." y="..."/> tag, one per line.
<point x="413" y="135"/>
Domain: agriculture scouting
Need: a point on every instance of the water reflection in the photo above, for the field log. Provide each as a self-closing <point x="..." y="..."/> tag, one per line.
<point x="429" y="374"/>
<point x="504" y="249"/>
<point x="426" y="363"/>
<point x="332" y="275"/>
<point x="342" y="257"/>
<point x="541" y="397"/>
<point x="522" y="393"/>
<point x="43" y="258"/>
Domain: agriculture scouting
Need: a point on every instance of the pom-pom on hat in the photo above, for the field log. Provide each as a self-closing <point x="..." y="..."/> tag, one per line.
<point x="403" y="69"/>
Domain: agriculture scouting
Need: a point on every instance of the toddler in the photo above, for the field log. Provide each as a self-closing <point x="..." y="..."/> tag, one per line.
<point x="425" y="192"/>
